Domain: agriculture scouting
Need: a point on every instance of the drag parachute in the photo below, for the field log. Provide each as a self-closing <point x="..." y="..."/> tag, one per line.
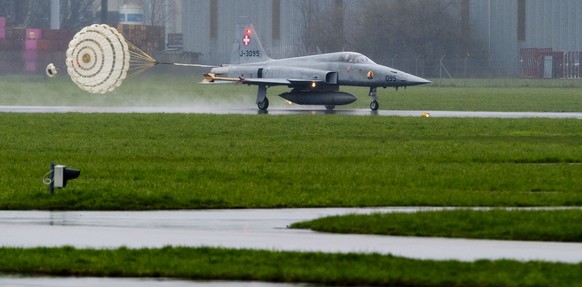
<point x="99" y="59"/>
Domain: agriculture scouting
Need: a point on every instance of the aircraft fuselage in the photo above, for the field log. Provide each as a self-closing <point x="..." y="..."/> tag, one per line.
<point x="334" y="69"/>
<point x="314" y="80"/>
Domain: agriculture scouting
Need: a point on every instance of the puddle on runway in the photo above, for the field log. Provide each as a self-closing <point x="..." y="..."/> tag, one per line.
<point x="315" y="110"/>
<point x="264" y="229"/>
<point x="125" y="282"/>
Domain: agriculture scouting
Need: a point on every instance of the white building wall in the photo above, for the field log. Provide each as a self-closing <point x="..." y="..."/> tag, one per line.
<point x="196" y="23"/>
<point x="291" y="30"/>
<point x="548" y="24"/>
<point x="554" y="24"/>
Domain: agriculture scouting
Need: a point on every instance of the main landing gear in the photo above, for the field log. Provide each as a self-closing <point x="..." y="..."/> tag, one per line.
<point x="263" y="105"/>
<point x="374" y="105"/>
<point x="262" y="101"/>
<point x="329" y="107"/>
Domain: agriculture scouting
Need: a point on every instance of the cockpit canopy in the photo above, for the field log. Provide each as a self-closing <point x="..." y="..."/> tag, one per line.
<point x="348" y="57"/>
<point x="355" y="58"/>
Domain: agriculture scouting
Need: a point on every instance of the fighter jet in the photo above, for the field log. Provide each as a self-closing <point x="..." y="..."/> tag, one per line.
<point x="313" y="80"/>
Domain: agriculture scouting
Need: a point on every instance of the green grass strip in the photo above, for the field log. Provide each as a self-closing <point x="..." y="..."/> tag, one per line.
<point x="535" y="225"/>
<point x="160" y="161"/>
<point x="228" y="264"/>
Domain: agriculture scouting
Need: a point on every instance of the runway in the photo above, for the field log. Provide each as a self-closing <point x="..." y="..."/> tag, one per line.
<point x="253" y="229"/>
<point x="289" y="111"/>
<point x="38" y="281"/>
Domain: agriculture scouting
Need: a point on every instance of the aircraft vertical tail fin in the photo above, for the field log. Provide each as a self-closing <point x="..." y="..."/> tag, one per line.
<point x="247" y="47"/>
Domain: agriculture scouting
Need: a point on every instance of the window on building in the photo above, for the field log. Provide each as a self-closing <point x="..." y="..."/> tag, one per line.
<point x="521" y="20"/>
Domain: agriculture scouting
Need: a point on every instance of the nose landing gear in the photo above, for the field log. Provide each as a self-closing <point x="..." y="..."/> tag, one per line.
<point x="374" y="105"/>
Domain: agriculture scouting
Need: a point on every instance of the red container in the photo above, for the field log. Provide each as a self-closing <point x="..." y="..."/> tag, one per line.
<point x="32" y="38"/>
<point x="47" y="45"/>
<point x="30" y="58"/>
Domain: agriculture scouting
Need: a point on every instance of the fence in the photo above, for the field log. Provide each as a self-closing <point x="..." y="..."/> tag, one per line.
<point x="546" y="63"/>
<point x="454" y="67"/>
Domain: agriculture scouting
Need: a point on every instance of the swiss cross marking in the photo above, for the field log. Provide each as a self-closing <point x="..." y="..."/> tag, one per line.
<point x="246" y="40"/>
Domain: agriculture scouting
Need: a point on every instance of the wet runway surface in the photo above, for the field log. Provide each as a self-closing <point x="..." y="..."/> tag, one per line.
<point x="124" y="282"/>
<point x="254" y="229"/>
<point x="290" y="111"/>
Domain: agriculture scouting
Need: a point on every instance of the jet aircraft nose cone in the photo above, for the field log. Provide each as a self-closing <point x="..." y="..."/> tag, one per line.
<point x="415" y="81"/>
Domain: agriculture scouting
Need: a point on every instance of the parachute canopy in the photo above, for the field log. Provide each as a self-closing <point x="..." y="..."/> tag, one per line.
<point x="99" y="59"/>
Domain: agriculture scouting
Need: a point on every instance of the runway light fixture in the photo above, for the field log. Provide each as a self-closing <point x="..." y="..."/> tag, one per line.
<point x="58" y="176"/>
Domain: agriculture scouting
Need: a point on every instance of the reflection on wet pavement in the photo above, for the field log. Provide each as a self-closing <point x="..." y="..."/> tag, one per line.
<point x="124" y="282"/>
<point x="254" y="229"/>
<point x="289" y="111"/>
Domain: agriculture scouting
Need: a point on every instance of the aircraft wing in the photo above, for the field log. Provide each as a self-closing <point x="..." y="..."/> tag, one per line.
<point x="266" y="81"/>
<point x="278" y="82"/>
<point x="211" y="78"/>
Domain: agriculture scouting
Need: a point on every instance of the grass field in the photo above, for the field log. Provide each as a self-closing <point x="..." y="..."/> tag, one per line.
<point x="144" y="162"/>
<point x="531" y="225"/>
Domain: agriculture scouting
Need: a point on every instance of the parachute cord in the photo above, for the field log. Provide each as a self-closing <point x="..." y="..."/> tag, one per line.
<point x="140" y="53"/>
<point x="142" y="57"/>
<point x="140" y="61"/>
<point x="136" y="70"/>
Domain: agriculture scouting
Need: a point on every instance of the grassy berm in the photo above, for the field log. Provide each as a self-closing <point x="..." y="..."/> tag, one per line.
<point x="531" y="225"/>
<point x="249" y="265"/>
<point x="167" y="161"/>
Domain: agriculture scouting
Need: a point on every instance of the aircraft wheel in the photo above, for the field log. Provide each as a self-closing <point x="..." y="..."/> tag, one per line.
<point x="374" y="105"/>
<point x="264" y="105"/>
<point x="330" y="107"/>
